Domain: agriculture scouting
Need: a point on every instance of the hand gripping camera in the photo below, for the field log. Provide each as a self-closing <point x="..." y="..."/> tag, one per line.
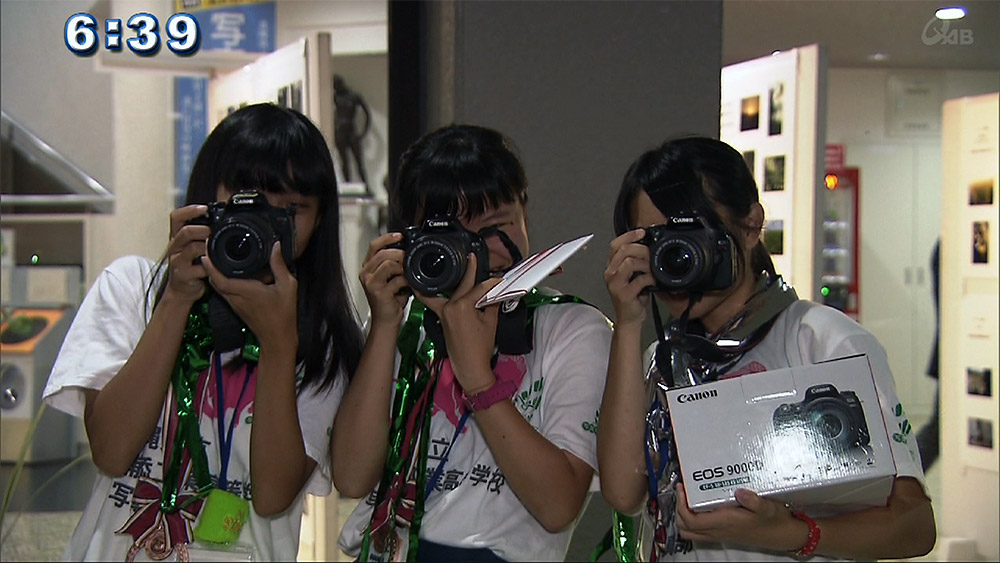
<point x="834" y="417"/>
<point x="437" y="255"/>
<point x="687" y="254"/>
<point x="243" y="232"/>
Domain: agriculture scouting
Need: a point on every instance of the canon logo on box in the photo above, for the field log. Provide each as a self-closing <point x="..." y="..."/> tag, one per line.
<point x="689" y="397"/>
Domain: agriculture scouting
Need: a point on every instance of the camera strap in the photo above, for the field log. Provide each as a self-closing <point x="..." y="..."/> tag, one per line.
<point x="692" y="358"/>
<point x="515" y="252"/>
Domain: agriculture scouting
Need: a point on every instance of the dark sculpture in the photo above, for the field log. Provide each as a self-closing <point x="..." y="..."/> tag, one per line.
<point x="347" y="136"/>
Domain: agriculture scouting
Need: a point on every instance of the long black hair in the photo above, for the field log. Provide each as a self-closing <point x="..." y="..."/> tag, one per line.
<point x="278" y="150"/>
<point x="695" y="174"/>
<point x="460" y="170"/>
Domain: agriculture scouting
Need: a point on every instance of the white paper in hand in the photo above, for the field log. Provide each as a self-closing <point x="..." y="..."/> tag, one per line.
<point x="528" y="273"/>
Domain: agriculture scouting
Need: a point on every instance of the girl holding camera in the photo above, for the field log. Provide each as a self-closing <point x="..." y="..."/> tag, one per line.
<point x="478" y="424"/>
<point x="208" y="400"/>
<point x="724" y="325"/>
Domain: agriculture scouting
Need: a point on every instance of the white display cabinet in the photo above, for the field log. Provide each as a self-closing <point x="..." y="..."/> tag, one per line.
<point x="970" y="285"/>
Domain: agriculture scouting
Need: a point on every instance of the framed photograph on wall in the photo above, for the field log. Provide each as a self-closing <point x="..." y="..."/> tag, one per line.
<point x="980" y="433"/>
<point x="750" y="113"/>
<point x="748" y="157"/>
<point x="775" y="110"/>
<point x="774" y="173"/>
<point x="980" y="242"/>
<point x="774" y="237"/>
<point x="979" y="381"/>
<point x="981" y="192"/>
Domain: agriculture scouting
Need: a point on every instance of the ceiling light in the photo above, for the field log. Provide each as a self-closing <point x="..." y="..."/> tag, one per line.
<point x="878" y="57"/>
<point x="951" y="13"/>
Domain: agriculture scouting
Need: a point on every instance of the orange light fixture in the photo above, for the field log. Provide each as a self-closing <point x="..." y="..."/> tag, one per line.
<point x="831" y="181"/>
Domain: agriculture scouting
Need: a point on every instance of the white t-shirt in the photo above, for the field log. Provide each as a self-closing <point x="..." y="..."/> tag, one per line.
<point x="472" y="506"/>
<point x="808" y="333"/>
<point x="103" y="335"/>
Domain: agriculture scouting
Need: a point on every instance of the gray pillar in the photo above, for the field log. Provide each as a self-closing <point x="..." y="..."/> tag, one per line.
<point x="582" y="88"/>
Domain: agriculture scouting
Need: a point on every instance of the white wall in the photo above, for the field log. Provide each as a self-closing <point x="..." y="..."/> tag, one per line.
<point x="51" y="91"/>
<point x="900" y="187"/>
<point x="355" y="26"/>
<point x="114" y="125"/>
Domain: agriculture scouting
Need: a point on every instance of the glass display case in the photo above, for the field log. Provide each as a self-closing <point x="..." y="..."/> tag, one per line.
<point x="839" y="277"/>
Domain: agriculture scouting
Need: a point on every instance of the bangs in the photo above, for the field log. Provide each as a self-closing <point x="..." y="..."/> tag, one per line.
<point x="463" y="171"/>
<point x="675" y="189"/>
<point x="477" y="194"/>
<point x="276" y="164"/>
<point x="460" y="171"/>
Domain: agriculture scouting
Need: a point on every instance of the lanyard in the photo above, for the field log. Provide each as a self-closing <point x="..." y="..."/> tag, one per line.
<point x="654" y="433"/>
<point x="432" y="482"/>
<point x="226" y="438"/>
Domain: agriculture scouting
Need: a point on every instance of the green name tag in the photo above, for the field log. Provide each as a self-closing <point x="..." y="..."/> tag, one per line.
<point x="222" y="517"/>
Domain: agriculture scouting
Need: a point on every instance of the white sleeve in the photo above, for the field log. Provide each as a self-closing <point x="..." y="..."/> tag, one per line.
<point x="317" y="410"/>
<point x="104" y="332"/>
<point x="825" y="334"/>
<point x="576" y="340"/>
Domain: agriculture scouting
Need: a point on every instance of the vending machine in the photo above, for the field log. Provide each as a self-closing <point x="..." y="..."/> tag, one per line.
<point x="840" y="275"/>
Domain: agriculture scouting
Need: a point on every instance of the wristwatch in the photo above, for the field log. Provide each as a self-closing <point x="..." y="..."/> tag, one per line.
<point x="486" y="398"/>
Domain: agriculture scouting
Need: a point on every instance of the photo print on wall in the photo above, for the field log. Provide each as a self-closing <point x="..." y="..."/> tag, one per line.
<point x="775" y="116"/>
<point x="748" y="157"/>
<point x="980" y="242"/>
<point x="981" y="432"/>
<point x="774" y="236"/>
<point x="774" y="173"/>
<point x="290" y="96"/>
<point x="749" y="113"/>
<point x="979" y="381"/>
<point x="981" y="192"/>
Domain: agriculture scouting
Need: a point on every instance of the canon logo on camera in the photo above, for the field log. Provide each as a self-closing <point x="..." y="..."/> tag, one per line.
<point x="243" y="198"/>
<point x="697" y="396"/>
<point x="437" y="223"/>
<point x="682" y="220"/>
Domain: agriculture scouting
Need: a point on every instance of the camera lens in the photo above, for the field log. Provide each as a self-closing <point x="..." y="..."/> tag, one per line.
<point x="433" y="265"/>
<point x="238" y="248"/>
<point x="677" y="260"/>
<point x="831" y="424"/>
<point x="678" y="264"/>
<point x="832" y="420"/>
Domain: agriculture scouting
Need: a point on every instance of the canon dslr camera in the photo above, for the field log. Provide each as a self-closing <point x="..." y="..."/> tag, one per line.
<point x="437" y="255"/>
<point x="687" y="254"/>
<point x="832" y="416"/>
<point x="243" y="232"/>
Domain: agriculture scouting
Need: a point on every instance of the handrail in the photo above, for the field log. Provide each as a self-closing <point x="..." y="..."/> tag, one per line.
<point x="87" y="191"/>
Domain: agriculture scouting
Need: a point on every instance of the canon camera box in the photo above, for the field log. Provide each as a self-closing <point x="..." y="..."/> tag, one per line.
<point x="812" y="436"/>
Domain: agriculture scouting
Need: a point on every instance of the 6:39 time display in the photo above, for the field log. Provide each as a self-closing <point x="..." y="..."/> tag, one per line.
<point x="81" y="34"/>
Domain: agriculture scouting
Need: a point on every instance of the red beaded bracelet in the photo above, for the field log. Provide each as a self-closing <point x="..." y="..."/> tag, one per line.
<point x="812" y="542"/>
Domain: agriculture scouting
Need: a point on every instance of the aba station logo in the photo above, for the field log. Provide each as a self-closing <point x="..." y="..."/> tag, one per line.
<point x="941" y="32"/>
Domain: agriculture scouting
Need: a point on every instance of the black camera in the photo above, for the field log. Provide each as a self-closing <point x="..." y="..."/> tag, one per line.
<point x="687" y="254"/>
<point x="833" y="417"/>
<point x="437" y="255"/>
<point x="243" y="232"/>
